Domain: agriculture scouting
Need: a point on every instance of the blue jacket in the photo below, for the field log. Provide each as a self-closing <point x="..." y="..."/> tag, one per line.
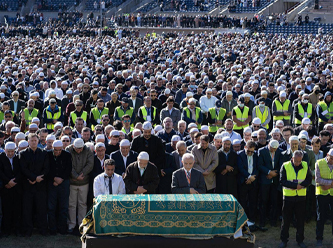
<point x="243" y="167"/>
<point x="118" y="158"/>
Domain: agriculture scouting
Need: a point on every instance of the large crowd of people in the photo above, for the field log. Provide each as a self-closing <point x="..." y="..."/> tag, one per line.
<point x="248" y="115"/>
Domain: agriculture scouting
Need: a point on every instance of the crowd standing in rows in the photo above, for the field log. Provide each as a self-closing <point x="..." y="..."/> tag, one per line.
<point x="246" y="115"/>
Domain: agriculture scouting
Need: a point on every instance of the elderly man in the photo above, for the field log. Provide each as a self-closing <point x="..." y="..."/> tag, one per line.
<point x="34" y="163"/>
<point x="282" y="109"/>
<point x="206" y="160"/>
<point x="181" y="149"/>
<point x="171" y="112"/>
<point x="226" y="171"/>
<point x="150" y="144"/>
<point x="228" y="103"/>
<point x="166" y="134"/>
<point x="123" y="157"/>
<point x="262" y="139"/>
<point x="207" y="102"/>
<point x="188" y="180"/>
<point x="58" y="188"/>
<point x="134" y="101"/>
<point x="109" y="182"/>
<point x="141" y="177"/>
<point x="11" y="195"/>
<point x="269" y="180"/>
<point x="182" y="130"/>
<point x="82" y="165"/>
<point x="295" y="176"/>
<point x="192" y="114"/>
<point x="16" y="104"/>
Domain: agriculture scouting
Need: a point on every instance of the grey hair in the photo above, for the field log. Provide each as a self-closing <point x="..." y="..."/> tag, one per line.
<point x="181" y="143"/>
<point x="188" y="155"/>
<point x="298" y="153"/>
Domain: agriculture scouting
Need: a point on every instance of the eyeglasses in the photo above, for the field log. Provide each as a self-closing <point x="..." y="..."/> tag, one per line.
<point x="105" y="120"/>
<point x="250" y="151"/>
<point x="65" y="140"/>
<point x="79" y="105"/>
<point x="152" y="95"/>
<point x="126" y="121"/>
<point x="256" y="125"/>
<point x="99" y="130"/>
<point x="15" y="95"/>
<point x="8" y="117"/>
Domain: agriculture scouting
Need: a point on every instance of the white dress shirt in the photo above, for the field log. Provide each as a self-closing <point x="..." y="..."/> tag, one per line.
<point x="250" y="165"/>
<point x="124" y="159"/>
<point x="101" y="185"/>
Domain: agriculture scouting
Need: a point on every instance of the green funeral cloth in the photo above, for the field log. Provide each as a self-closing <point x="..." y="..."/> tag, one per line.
<point x="180" y="215"/>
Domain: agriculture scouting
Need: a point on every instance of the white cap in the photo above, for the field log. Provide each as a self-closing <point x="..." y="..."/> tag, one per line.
<point x="226" y="139"/>
<point x="236" y="142"/>
<point x="247" y="130"/>
<point x="330" y="152"/>
<point x="264" y="92"/>
<point x="256" y="121"/>
<point x="189" y="94"/>
<point x="78" y="143"/>
<point x="279" y="123"/>
<point x="50" y="137"/>
<point x="209" y="90"/>
<point x="35" y="119"/>
<point x="23" y="143"/>
<point x="15" y="130"/>
<point x="167" y="91"/>
<point x="275" y="130"/>
<point x="204" y="128"/>
<point x="158" y="128"/>
<point x="100" y="136"/>
<point x="192" y="125"/>
<point x="218" y="136"/>
<point x="2" y="95"/>
<point x="57" y="143"/>
<point x="147" y="125"/>
<point x="65" y="137"/>
<point x="69" y="92"/>
<point x="194" y="130"/>
<point x="283" y="94"/>
<point x="229" y="93"/>
<point x="114" y="133"/>
<point x="125" y="142"/>
<point x="303" y="132"/>
<point x="52" y="92"/>
<point x="58" y="124"/>
<point x="33" y="125"/>
<point x="175" y="138"/>
<point x="99" y="144"/>
<point x="254" y="134"/>
<point x="143" y="156"/>
<point x="41" y="74"/>
<point x="274" y="144"/>
<point x="10" y="146"/>
<point x="294" y="137"/>
<point x="302" y="136"/>
<point x="20" y="135"/>
<point x="306" y="121"/>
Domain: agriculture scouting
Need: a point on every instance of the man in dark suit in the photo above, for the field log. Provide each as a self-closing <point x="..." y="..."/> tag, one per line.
<point x="34" y="163"/>
<point x="164" y="186"/>
<point x="171" y="112"/>
<point x="10" y="175"/>
<point x="247" y="162"/>
<point x="181" y="149"/>
<point x="141" y="177"/>
<point x="98" y="168"/>
<point x="16" y="104"/>
<point x="123" y="157"/>
<point x="134" y="101"/>
<point x="227" y="170"/>
<point x="269" y="180"/>
<point x="188" y="180"/>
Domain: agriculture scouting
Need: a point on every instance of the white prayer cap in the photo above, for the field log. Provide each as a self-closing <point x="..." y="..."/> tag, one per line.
<point x="114" y="133"/>
<point x="58" y="124"/>
<point x="330" y="152"/>
<point x="256" y="121"/>
<point x="302" y="136"/>
<point x="247" y="130"/>
<point x="23" y="143"/>
<point x="229" y="93"/>
<point x="274" y="144"/>
<point x="306" y="121"/>
<point x="65" y="137"/>
<point x="275" y="130"/>
<point x="247" y="95"/>
<point x="19" y="135"/>
<point x="204" y="128"/>
<point x="264" y="92"/>
<point x="254" y="134"/>
<point x="218" y="136"/>
<point x="99" y="144"/>
<point x="143" y="156"/>
<point x="57" y="143"/>
<point x="192" y="125"/>
<point x="50" y="137"/>
<point x="175" y="138"/>
<point x="125" y="142"/>
<point x="147" y="125"/>
<point x="279" y="123"/>
<point x="15" y="130"/>
<point x="10" y="146"/>
<point x="225" y="134"/>
<point x="189" y="94"/>
<point x="294" y="137"/>
<point x="167" y="91"/>
<point x="35" y="119"/>
<point x="100" y="136"/>
<point x="33" y="125"/>
<point x="158" y="128"/>
<point x="226" y="139"/>
<point x="304" y="132"/>
<point x="2" y="95"/>
<point x="194" y="130"/>
<point x="78" y="143"/>
<point x="236" y="142"/>
<point x="209" y="90"/>
<point x="69" y="92"/>
<point x="283" y="94"/>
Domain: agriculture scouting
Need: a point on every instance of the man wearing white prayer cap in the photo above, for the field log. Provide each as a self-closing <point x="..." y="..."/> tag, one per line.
<point x="256" y="124"/>
<point x="23" y="144"/>
<point x="305" y="125"/>
<point x="276" y="134"/>
<point x="58" y="188"/>
<point x="18" y="137"/>
<point x="12" y="189"/>
<point x="282" y="109"/>
<point x="152" y="145"/>
<point x="217" y="141"/>
<point x="236" y="145"/>
<point x="123" y="157"/>
<point x="49" y="142"/>
<point x="268" y="165"/>
<point x="141" y="177"/>
<point x="226" y="171"/>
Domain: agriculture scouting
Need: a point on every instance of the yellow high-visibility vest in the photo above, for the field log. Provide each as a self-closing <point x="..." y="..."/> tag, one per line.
<point x="301" y="112"/>
<point x="325" y="173"/>
<point x="262" y="116"/>
<point x="291" y="176"/>
<point x="55" y="116"/>
<point x="197" y="114"/>
<point x="241" y="116"/>
<point x="84" y="116"/>
<point x="280" y="108"/>
<point x="220" y="117"/>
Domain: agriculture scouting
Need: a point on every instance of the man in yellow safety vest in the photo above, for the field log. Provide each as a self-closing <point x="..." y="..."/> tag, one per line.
<point x="262" y="112"/>
<point x="216" y="117"/>
<point x="78" y="112"/>
<point x="282" y="109"/>
<point x="241" y="116"/>
<point x="97" y="113"/>
<point x="303" y="109"/>
<point x="192" y="114"/>
<point x="52" y="114"/>
<point x="325" y="111"/>
<point x="295" y="176"/>
<point x="148" y="112"/>
<point x="29" y="113"/>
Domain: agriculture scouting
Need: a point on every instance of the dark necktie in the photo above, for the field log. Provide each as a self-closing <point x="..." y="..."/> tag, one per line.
<point x="110" y="186"/>
<point x="148" y="111"/>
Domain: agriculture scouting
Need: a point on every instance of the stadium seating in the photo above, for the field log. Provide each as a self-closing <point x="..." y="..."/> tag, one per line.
<point x="90" y="4"/>
<point x="250" y="8"/>
<point x="11" y="5"/>
<point x="310" y="28"/>
<point x="54" y="5"/>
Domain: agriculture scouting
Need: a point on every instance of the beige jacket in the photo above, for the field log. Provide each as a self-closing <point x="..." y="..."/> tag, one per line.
<point x="206" y="162"/>
<point x="314" y="98"/>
